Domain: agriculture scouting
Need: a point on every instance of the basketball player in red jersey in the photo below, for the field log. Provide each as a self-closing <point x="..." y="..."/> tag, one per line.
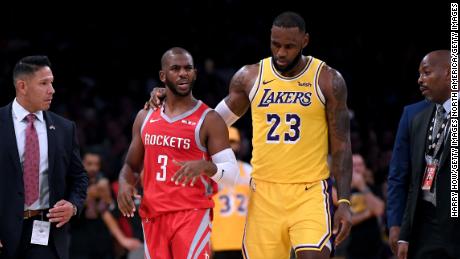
<point x="184" y="150"/>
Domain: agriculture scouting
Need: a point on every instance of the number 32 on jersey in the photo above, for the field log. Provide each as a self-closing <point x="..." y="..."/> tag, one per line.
<point x="233" y="203"/>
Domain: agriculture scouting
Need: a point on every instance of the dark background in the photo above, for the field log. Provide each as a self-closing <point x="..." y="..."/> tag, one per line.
<point x="106" y="59"/>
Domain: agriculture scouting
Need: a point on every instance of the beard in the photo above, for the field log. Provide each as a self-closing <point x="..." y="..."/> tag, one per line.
<point x="174" y="89"/>
<point x="290" y="66"/>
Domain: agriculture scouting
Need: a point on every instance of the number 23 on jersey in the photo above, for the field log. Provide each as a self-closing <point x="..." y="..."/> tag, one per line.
<point x="290" y="119"/>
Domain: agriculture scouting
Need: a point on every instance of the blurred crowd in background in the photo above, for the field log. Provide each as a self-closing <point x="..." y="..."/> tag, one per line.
<point x="106" y="63"/>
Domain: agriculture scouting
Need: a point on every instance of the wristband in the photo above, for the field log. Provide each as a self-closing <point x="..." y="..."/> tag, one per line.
<point x="344" y="201"/>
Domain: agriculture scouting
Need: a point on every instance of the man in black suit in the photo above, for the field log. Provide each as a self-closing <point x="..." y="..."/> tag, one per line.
<point x="428" y="230"/>
<point x="42" y="180"/>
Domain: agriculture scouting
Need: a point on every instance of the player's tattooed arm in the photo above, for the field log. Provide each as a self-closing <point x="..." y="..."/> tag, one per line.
<point x="240" y="86"/>
<point x="338" y="118"/>
<point x="335" y="90"/>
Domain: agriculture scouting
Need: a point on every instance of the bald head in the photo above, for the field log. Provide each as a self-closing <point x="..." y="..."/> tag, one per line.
<point x="439" y="58"/>
<point x="434" y="79"/>
<point x="172" y="52"/>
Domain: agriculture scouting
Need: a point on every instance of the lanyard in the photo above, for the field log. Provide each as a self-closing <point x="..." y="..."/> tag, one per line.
<point x="436" y="141"/>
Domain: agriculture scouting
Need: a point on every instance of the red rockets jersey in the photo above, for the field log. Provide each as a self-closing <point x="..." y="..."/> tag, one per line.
<point x="166" y="139"/>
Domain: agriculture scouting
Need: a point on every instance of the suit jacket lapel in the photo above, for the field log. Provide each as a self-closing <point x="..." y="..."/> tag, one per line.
<point x="9" y="137"/>
<point x="421" y="129"/>
<point x="51" y="133"/>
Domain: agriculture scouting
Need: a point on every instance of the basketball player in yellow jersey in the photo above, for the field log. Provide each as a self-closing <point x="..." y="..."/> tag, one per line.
<point x="231" y="208"/>
<point x="299" y="116"/>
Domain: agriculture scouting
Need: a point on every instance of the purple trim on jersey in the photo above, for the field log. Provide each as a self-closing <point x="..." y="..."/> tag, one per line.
<point x="328" y="193"/>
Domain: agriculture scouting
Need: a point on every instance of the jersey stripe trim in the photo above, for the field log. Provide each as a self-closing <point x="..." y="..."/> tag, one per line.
<point x="146" y="248"/>
<point x="204" y="242"/>
<point x="245" y="253"/>
<point x="181" y="116"/>
<point x="280" y="76"/>
<point x="146" y="119"/>
<point x="197" y="131"/>
<point x="326" y="237"/>
<point x="255" y="87"/>
<point x="318" y="91"/>
<point x="205" y="222"/>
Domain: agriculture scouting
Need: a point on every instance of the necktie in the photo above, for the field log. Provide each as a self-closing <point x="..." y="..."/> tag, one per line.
<point x="31" y="162"/>
<point x="439" y="120"/>
<point x="436" y="130"/>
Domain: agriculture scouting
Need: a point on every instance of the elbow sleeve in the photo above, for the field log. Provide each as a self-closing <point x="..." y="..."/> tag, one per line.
<point x="227" y="167"/>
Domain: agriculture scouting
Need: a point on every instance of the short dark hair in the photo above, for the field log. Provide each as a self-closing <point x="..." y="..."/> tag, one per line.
<point x="290" y="20"/>
<point x="29" y="65"/>
<point x="174" y="51"/>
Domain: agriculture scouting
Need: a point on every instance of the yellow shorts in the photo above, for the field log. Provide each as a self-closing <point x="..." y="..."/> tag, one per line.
<point x="281" y="216"/>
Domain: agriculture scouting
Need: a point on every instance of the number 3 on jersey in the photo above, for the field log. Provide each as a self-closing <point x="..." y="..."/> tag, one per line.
<point x="163" y="161"/>
<point x="290" y="137"/>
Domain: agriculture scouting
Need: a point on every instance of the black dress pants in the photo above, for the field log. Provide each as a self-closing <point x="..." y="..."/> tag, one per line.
<point x="428" y="241"/>
<point x="27" y="250"/>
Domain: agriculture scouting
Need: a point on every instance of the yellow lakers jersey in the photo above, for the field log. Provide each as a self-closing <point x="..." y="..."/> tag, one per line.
<point x="230" y="213"/>
<point x="290" y="134"/>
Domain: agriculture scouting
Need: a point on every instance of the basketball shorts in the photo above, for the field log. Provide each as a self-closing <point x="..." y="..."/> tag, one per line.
<point x="284" y="216"/>
<point x="179" y="235"/>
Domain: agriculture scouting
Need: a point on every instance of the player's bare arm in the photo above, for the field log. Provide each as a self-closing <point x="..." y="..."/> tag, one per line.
<point x="213" y="136"/>
<point x="214" y="133"/>
<point x="334" y="89"/>
<point x="237" y="101"/>
<point x="133" y="163"/>
<point x="240" y="86"/>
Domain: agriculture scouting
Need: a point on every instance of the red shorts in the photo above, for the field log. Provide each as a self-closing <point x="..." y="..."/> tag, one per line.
<point x="179" y="235"/>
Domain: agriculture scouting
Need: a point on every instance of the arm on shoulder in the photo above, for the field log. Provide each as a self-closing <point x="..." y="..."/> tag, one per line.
<point x="237" y="101"/>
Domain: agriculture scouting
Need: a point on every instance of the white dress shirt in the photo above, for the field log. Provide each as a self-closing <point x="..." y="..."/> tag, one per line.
<point x="20" y="125"/>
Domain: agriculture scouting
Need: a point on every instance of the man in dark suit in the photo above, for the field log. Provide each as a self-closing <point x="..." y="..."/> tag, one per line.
<point x="428" y="230"/>
<point x="42" y="180"/>
<point x="399" y="173"/>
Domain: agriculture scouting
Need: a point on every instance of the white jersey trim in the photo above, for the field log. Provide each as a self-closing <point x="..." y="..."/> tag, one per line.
<point x="181" y="116"/>
<point x="283" y="78"/>
<point x="146" y="119"/>
<point x="256" y="85"/>
<point x="318" y="91"/>
<point x="198" y="128"/>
